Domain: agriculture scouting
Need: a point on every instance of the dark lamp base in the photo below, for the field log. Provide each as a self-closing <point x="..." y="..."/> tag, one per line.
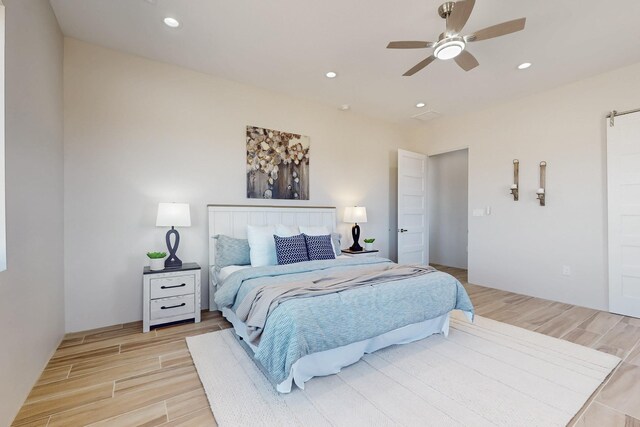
<point x="355" y="233"/>
<point x="172" y="261"/>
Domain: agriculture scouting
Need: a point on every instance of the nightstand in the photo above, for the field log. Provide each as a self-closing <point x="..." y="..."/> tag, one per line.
<point x="349" y="252"/>
<point x="170" y="295"/>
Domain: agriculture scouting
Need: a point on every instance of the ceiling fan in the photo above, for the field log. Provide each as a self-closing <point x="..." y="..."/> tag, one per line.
<point x="451" y="44"/>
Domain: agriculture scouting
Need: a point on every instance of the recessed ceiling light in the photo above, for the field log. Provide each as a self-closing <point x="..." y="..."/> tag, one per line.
<point x="524" y="65"/>
<point x="332" y="74"/>
<point x="420" y="104"/>
<point x="171" y="22"/>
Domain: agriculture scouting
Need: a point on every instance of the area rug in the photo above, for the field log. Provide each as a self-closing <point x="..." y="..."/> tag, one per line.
<point x="483" y="374"/>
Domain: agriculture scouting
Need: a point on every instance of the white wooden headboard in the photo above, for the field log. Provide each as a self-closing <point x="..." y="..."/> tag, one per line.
<point x="232" y="220"/>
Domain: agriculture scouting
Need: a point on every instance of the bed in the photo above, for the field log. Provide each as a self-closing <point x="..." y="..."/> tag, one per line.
<point x="318" y="335"/>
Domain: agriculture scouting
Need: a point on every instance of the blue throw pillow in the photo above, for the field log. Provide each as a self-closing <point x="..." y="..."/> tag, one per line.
<point x="319" y="247"/>
<point x="231" y="251"/>
<point x="290" y="250"/>
<point x="336" y="238"/>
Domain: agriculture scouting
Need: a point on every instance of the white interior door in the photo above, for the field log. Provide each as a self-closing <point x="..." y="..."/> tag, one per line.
<point x="623" y="171"/>
<point x="413" y="224"/>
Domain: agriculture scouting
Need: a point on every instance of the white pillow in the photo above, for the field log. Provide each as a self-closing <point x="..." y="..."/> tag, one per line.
<point x="286" y="230"/>
<point x="261" y="244"/>
<point x="319" y="230"/>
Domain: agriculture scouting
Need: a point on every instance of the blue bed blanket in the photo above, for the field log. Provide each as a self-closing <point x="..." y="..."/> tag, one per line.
<point x="304" y="326"/>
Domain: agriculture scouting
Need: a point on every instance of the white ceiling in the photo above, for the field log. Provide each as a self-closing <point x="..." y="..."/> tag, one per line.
<point x="288" y="45"/>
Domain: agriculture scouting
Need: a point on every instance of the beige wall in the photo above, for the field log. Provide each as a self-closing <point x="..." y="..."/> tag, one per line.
<point x="31" y="290"/>
<point x="521" y="246"/>
<point x="138" y="132"/>
<point x="448" y="182"/>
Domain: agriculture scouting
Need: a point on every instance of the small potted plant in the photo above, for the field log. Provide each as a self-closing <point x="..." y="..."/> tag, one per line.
<point x="368" y="244"/>
<point x="156" y="260"/>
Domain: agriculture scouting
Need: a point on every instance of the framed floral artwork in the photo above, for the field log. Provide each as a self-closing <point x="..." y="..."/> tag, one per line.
<point x="277" y="164"/>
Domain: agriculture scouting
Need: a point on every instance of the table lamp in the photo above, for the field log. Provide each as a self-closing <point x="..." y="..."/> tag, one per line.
<point x="355" y="214"/>
<point x="173" y="215"/>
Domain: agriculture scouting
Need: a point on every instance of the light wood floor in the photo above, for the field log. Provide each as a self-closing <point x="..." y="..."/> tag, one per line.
<point x="118" y="376"/>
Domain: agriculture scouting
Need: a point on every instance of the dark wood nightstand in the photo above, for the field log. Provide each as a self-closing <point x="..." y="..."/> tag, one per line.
<point x="349" y="252"/>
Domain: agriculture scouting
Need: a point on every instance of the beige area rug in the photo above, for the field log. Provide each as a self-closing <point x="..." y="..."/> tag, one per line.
<point x="484" y="374"/>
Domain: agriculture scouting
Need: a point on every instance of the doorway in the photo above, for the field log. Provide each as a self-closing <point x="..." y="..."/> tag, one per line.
<point x="448" y="194"/>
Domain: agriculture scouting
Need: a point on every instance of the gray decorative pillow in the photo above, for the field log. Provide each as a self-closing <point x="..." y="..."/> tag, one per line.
<point x="335" y="239"/>
<point x="231" y="251"/>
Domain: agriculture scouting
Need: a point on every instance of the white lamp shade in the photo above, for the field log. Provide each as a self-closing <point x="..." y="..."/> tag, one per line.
<point x="355" y="214"/>
<point x="173" y="215"/>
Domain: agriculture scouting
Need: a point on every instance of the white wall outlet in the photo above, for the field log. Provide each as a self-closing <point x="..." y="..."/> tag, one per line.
<point x="566" y="270"/>
<point x="488" y="210"/>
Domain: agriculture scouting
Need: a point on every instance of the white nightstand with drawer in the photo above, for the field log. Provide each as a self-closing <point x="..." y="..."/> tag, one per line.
<point x="170" y="295"/>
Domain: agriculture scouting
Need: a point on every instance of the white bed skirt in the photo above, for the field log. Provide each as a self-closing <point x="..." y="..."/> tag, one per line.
<point x="332" y="361"/>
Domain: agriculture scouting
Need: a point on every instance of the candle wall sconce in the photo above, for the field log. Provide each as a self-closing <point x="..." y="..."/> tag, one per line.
<point x="542" y="191"/>
<point x="515" y="187"/>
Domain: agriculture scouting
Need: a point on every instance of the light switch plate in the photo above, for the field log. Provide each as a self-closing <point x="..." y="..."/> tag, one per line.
<point x="478" y="212"/>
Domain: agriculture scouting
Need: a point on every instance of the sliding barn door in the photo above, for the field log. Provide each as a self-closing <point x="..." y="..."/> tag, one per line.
<point x="413" y="224"/>
<point x="623" y="172"/>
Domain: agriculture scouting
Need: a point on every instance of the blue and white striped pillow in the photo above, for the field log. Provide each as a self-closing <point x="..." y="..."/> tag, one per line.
<point x="290" y="250"/>
<point x="319" y="247"/>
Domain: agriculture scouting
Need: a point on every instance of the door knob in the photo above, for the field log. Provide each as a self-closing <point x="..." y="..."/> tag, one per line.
<point x="402" y="230"/>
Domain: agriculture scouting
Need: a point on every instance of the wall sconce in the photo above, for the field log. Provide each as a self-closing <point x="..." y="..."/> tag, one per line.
<point x="516" y="179"/>
<point x="541" y="193"/>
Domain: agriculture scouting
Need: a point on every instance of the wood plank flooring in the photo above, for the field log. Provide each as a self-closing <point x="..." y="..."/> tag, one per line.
<point x="118" y="376"/>
<point x="617" y="401"/>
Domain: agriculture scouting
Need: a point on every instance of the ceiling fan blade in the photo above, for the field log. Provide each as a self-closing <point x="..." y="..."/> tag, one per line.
<point x="497" y="30"/>
<point x="419" y="66"/>
<point x="409" y="45"/>
<point x="459" y="15"/>
<point x="466" y="61"/>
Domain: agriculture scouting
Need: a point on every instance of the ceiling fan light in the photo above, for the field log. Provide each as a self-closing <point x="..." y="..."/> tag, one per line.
<point x="449" y="49"/>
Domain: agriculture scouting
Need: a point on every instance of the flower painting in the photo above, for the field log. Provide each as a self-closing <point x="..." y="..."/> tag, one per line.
<point x="277" y="164"/>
